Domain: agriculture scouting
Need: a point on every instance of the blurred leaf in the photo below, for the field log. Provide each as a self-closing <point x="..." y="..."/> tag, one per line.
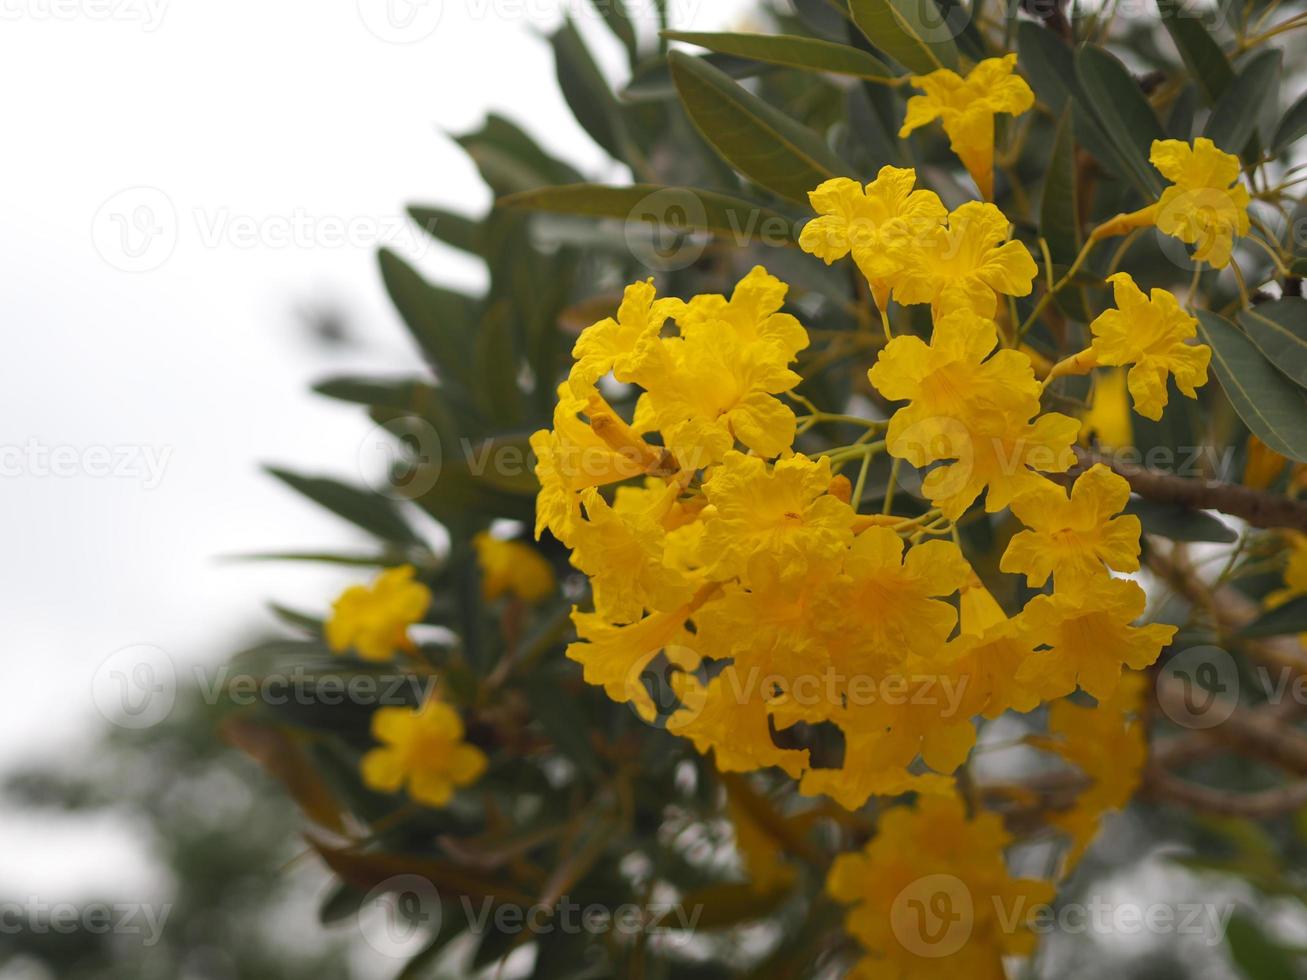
<point x="330" y="558"/>
<point x="1059" y="221"/>
<point x="565" y="721"/>
<point x="721" y="906"/>
<point x="1280" y="621"/>
<point x="1179" y="523"/>
<point x="509" y="160"/>
<point x="1279" y="330"/>
<point x="1234" y="118"/>
<point x="762" y="143"/>
<point x="898" y="29"/>
<point x="1047" y="63"/>
<point x="653" y="79"/>
<point x="1292" y="127"/>
<point x="446" y="226"/>
<point x="588" y="96"/>
<point x="678" y="209"/>
<point x="1207" y="63"/>
<point x="792" y="52"/>
<point x="827" y="18"/>
<point x="1270" y="405"/>
<point x="498" y="365"/>
<point x="1255" y="955"/>
<point x="372" y="512"/>
<point x="619" y="22"/>
<point x="367" y="870"/>
<point x="1113" y="97"/>
<point x="281" y="755"/>
<point x="440" y="320"/>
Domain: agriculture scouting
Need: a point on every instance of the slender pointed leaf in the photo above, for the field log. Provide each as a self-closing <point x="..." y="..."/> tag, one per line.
<point x="1207" y="63"/>
<point x="1114" y="98"/>
<point x="791" y="52"/>
<point x="372" y="512"/>
<point x="1292" y="127"/>
<point x="915" y="33"/>
<point x="1234" y="118"/>
<point x="1280" y="621"/>
<point x="1279" y="330"/>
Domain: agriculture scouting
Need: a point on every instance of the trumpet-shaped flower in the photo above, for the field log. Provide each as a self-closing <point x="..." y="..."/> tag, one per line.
<point x="1150" y="333"/>
<point x="967" y="107"/>
<point x="1205" y="205"/>
<point x="424" y="748"/>
<point x="374" y="619"/>
<point x="511" y="567"/>
<point x="966" y="265"/>
<point x="752" y="314"/>
<point x="608" y="344"/>
<point x="1073" y="537"/>
<point x="878" y="224"/>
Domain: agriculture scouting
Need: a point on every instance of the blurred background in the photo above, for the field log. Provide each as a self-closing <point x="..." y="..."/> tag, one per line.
<point x="192" y="198"/>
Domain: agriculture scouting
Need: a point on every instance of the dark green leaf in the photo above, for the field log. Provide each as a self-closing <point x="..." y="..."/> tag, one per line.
<point x="1047" y="63"/>
<point x="440" y="320"/>
<point x="652" y="81"/>
<point x="372" y="512"/>
<point x="449" y="227"/>
<point x="1270" y="404"/>
<point x="1179" y="523"/>
<point x="588" y="96"/>
<point x="498" y="366"/>
<point x="915" y="33"/>
<point x="792" y="52"/>
<point x="1234" y="118"/>
<point x="1114" y="98"/>
<point x="619" y="22"/>
<point x="509" y="160"/>
<point x="1292" y="127"/>
<point x="1058" y="214"/>
<point x="1255" y="955"/>
<point x="761" y="142"/>
<point x="1207" y="63"/>
<point x="1280" y="621"/>
<point x="1279" y="330"/>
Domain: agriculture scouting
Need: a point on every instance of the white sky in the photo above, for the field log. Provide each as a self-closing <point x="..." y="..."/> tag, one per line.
<point x="225" y="116"/>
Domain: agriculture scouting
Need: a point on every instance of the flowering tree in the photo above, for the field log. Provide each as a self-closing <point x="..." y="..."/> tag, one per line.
<point x="922" y="483"/>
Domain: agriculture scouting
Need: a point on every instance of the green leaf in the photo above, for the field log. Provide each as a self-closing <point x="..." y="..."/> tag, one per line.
<point x="1269" y="404"/>
<point x="1280" y="621"/>
<point x="679" y="209"/>
<point x="897" y="27"/>
<point x="791" y="52"/>
<point x="446" y="226"/>
<point x="1114" y="99"/>
<point x="587" y="93"/>
<point x="1179" y="523"/>
<point x="1279" y="330"/>
<point x="498" y="366"/>
<point x="1207" y="63"/>
<point x="1292" y="127"/>
<point x="1047" y="63"/>
<point x="1254" y="954"/>
<point x="509" y="160"/>
<point x="619" y="22"/>
<point x="439" y="319"/>
<point x="652" y="81"/>
<point x="762" y="143"/>
<point x="373" y="513"/>
<point x="1234" y="118"/>
<point x="1059" y="221"/>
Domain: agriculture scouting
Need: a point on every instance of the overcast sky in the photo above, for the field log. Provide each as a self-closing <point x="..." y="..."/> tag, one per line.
<point x="180" y="181"/>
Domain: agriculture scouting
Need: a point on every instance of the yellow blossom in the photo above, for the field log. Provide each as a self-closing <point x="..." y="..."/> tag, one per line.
<point x="988" y="652"/>
<point x="1150" y="333"/>
<point x="511" y="567"/>
<point x="878" y="223"/>
<point x="967" y="107"/>
<point x="782" y="511"/>
<point x="752" y="314"/>
<point x="607" y="345"/>
<point x="1107" y="421"/>
<point x="1090" y="637"/>
<point x="932" y="896"/>
<point x="374" y="619"/>
<point x="966" y="265"/>
<point x="1205" y="204"/>
<point x="1072" y="538"/>
<point x="728" y="716"/>
<point x="424" y="748"/>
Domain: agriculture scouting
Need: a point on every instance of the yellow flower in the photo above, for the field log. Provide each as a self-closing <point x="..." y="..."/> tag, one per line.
<point x="932" y="896"/>
<point x="1090" y="638"/>
<point x="374" y="619"/>
<point x="1150" y="332"/>
<point x="1107" y="422"/>
<point x="988" y="652"/>
<point x="1205" y="204"/>
<point x="622" y="551"/>
<point x="511" y="567"/>
<point x="951" y="379"/>
<point x="424" y="748"/>
<point x="781" y="513"/>
<point x="878" y="224"/>
<point x="1073" y="538"/>
<point x="751" y="314"/>
<point x="966" y="265"/>
<point x="967" y="107"/>
<point x="607" y="345"/>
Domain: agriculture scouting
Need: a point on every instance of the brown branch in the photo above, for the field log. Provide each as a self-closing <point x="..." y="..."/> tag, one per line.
<point x="1256" y="507"/>
<point x="1262" y="805"/>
